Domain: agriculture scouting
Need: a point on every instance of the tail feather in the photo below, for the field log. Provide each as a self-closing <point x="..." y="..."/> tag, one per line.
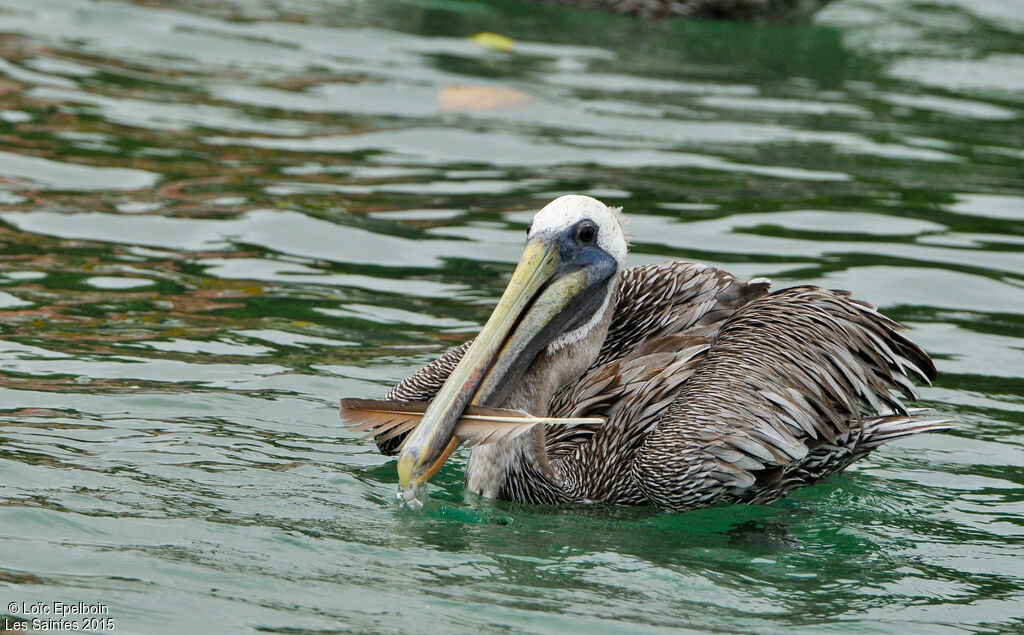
<point x="889" y="428"/>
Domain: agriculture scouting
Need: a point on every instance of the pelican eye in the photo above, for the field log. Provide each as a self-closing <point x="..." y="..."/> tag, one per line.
<point x="586" y="232"/>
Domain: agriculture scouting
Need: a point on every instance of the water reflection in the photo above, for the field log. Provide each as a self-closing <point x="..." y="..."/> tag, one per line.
<point x="218" y="217"/>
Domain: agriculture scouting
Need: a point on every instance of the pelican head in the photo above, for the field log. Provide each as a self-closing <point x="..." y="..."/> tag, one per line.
<point x="558" y="294"/>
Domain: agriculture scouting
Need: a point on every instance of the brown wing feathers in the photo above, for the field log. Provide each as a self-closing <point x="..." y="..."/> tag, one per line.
<point x="791" y="373"/>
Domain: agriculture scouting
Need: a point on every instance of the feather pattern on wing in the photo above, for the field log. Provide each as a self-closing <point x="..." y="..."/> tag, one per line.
<point x="796" y="386"/>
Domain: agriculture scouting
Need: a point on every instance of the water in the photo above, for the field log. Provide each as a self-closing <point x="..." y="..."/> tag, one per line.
<point x="219" y="218"/>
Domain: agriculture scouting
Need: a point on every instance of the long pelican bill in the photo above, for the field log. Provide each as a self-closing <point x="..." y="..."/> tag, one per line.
<point x="538" y="291"/>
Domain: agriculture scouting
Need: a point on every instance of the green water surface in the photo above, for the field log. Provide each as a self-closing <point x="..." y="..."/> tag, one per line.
<point x="217" y="217"/>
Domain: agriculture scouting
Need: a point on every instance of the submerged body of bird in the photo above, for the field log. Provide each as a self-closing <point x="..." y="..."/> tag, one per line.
<point x="741" y="10"/>
<point x="676" y="384"/>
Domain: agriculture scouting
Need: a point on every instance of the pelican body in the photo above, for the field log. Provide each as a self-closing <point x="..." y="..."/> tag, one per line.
<point x="708" y="389"/>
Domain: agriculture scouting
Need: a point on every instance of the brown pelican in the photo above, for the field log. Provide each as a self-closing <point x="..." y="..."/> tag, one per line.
<point x="674" y="384"/>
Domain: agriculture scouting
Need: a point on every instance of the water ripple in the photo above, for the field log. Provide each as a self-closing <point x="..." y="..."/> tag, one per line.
<point x="219" y="217"/>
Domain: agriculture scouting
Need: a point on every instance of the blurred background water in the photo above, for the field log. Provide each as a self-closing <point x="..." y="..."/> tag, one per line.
<point x="218" y="218"/>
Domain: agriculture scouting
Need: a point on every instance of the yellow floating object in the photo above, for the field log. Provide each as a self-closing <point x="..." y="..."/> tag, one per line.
<point x="494" y="41"/>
